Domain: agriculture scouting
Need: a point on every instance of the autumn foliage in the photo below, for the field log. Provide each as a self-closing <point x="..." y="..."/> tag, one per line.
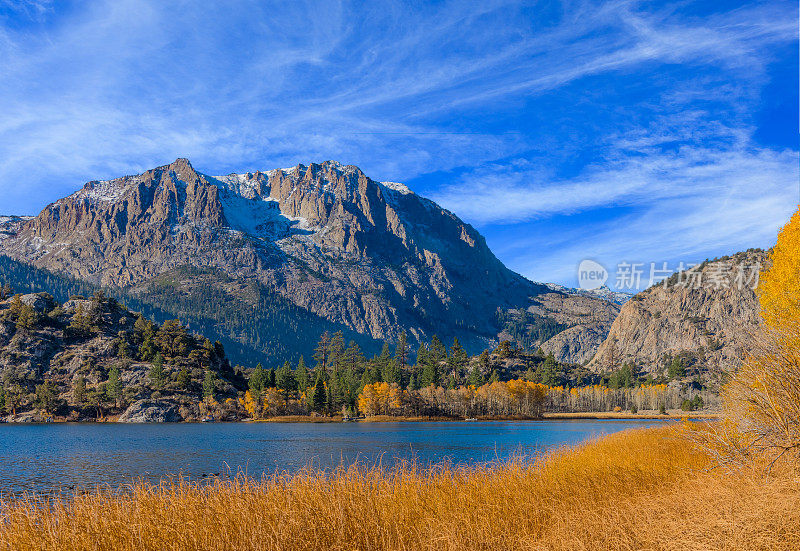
<point x="380" y="399"/>
<point x="762" y="400"/>
<point x="514" y="398"/>
<point x="779" y="286"/>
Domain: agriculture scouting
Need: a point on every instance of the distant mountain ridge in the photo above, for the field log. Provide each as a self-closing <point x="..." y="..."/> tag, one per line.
<point x="371" y="257"/>
<point x="604" y="292"/>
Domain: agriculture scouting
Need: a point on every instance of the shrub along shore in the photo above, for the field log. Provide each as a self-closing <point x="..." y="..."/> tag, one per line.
<point x="638" y="489"/>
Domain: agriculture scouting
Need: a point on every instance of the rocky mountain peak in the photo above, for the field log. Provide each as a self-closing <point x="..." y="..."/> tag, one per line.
<point x="373" y="257"/>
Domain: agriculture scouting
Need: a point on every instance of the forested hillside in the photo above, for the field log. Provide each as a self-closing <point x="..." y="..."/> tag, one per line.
<point x="92" y="358"/>
<point x="252" y="323"/>
<point x="88" y="358"/>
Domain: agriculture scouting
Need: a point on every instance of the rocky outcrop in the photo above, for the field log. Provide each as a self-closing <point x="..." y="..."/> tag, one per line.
<point x="40" y="302"/>
<point x="705" y="315"/>
<point x="151" y="411"/>
<point x="26" y="417"/>
<point x="588" y="320"/>
<point x="374" y="257"/>
<point x="56" y="360"/>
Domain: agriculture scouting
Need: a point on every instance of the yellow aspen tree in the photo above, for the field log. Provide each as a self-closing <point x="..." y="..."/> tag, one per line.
<point x="368" y="400"/>
<point x="762" y="400"/>
<point x="779" y="286"/>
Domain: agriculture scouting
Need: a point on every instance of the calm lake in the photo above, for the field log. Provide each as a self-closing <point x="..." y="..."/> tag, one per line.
<point x="63" y="457"/>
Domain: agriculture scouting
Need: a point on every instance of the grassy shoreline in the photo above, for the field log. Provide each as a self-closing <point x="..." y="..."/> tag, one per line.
<point x="674" y="415"/>
<point x="636" y="489"/>
<point x="671" y="414"/>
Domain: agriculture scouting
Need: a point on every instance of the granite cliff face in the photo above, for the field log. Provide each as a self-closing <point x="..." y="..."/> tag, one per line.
<point x="373" y="257"/>
<point x="705" y="316"/>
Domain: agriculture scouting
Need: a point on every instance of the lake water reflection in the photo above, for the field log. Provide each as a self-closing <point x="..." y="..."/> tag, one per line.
<point x="62" y="457"/>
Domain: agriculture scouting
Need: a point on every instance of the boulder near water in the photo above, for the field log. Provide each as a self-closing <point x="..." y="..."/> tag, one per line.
<point x="151" y="411"/>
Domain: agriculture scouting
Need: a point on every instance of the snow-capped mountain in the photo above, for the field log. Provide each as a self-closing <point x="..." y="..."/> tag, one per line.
<point x="372" y="257"/>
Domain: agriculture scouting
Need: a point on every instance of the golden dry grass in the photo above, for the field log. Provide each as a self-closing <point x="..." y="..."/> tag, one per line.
<point x="641" y="414"/>
<point x="639" y="489"/>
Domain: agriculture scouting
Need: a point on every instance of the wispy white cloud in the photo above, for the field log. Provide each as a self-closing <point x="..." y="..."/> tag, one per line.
<point x="681" y="206"/>
<point x="134" y="82"/>
<point x="637" y="173"/>
<point x="538" y="109"/>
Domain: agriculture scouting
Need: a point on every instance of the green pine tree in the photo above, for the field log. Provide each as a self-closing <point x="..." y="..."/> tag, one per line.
<point x="485" y="361"/>
<point x="436" y="352"/>
<point x="183" y="379"/>
<point x="676" y="369"/>
<point x="318" y="397"/>
<point x="285" y="379"/>
<point x="114" y="385"/>
<point x="475" y="378"/>
<point x="257" y="381"/>
<point x="302" y="375"/>
<point x="430" y="374"/>
<point x="157" y="375"/>
<point x="329" y="401"/>
<point x="336" y="350"/>
<point x="79" y="391"/>
<point x="322" y="351"/>
<point x="422" y="355"/>
<point x="457" y="359"/>
<point x="550" y="371"/>
<point x="402" y="350"/>
<point x="47" y="396"/>
<point x="209" y="384"/>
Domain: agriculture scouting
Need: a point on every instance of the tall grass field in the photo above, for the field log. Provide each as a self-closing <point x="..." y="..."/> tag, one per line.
<point x="638" y="489"/>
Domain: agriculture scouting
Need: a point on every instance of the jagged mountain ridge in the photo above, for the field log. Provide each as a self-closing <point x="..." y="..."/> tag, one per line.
<point x="604" y="292"/>
<point x="373" y="257"/>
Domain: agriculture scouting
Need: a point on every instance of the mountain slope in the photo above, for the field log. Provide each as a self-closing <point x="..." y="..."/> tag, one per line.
<point x="571" y="326"/>
<point x="252" y="322"/>
<point x="704" y="317"/>
<point x="372" y="257"/>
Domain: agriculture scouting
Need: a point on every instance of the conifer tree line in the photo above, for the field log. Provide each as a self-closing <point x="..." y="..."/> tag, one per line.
<point x="437" y="380"/>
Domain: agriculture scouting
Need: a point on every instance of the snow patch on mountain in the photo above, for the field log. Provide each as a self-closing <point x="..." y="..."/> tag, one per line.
<point x="260" y="218"/>
<point x="12" y="218"/>
<point x="245" y="185"/>
<point x="397" y="187"/>
<point x="602" y="292"/>
<point x="105" y="191"/>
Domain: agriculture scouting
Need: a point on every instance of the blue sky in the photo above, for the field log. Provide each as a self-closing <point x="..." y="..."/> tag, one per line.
<point x="618" y="131"/>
